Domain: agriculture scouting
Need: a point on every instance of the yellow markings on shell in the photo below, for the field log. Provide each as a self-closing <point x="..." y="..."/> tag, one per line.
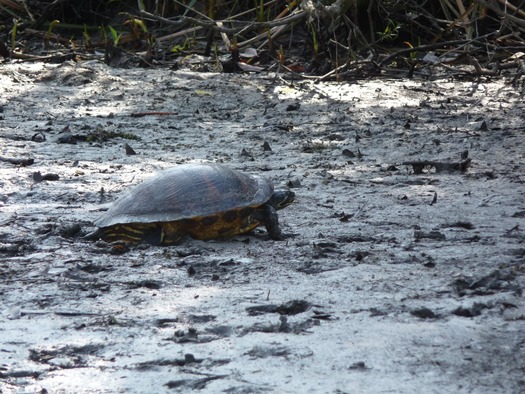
<point x="162" y="235"/>
<point x="121" y="232"/>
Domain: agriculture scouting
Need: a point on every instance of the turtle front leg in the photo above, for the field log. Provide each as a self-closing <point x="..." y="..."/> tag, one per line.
<point x="271" y="221"/>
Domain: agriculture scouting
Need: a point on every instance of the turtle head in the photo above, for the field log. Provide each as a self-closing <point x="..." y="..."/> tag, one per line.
<point x="281" y="199"/>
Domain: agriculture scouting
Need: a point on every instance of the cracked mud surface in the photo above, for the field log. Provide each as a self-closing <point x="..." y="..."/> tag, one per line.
<point x="389" y="281"/>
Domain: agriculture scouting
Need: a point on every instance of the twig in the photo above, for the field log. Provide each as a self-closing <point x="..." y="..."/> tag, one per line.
<point x="193" y="29"/>
<point x="518" y="21"/>
<point x="53" y="58"/>
<point x="188" y="8"/>
<point x="12" y="4"/>
<point x="343" y="68"/>
<point x="142" y="114"/>
<point x="181" y="33"/>
<point x="247" y="26"/>
<point x="513" y="8"/>
<point x="17" y="161"/>
<point x="429" y="47"/>
<point x="60" y="313"/>
<point x="300" y="15"/>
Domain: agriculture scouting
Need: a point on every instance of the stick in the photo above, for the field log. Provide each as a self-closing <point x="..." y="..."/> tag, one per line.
<point x="19" y="162"/>
<point x="429" y="47"/>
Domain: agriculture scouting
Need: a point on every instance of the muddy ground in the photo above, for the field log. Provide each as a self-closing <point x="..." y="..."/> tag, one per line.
<point x="393" y="277"/>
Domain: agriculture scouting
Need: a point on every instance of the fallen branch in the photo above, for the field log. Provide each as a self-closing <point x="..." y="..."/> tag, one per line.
<point x="142" y="114"/>
<point x="54" y="58"/>
<point x="424" y="48"/>
<point x="344" y="67"/>
<point x="514" y="19"/>
<point x="19" y="162"/>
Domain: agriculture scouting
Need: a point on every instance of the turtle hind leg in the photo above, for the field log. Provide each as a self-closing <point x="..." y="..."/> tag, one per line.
<point x="169" y="233"/>
<point x="153" y="236"/>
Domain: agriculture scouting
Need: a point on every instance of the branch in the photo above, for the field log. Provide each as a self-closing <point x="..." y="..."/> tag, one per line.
<point x="518" y="21"/>
<point x="429" y="47"/>
<point x="247" y="26"/>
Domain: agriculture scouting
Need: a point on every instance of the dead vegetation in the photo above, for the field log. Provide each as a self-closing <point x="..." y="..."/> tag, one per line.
<point x="341" y="39"/>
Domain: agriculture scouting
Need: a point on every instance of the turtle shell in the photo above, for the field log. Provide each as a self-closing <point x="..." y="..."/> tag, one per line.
<point x="201" y="200"/>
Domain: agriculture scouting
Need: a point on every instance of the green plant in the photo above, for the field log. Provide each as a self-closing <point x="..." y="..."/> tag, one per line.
<point x="14" y="31"/>
<point x="115" y="36"/>
<point x="136" y="26"/>
<point x="391" y="31"/>
<point x="188" y="43"/>
<point x="260" y="11"/>
<point x="412" y="55"/>
<point x="280" y="55"/>
<point x="211" y="9"/>
<point x="47" y="36"/>
<point x="315" y="43"/>
<point x="87" y="37"/>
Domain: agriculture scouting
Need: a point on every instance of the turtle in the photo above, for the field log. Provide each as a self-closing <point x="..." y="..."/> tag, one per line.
<point x="203" y="201"/>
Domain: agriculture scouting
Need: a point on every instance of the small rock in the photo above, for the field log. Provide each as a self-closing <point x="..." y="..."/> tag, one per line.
<point x="423" y="313"/>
